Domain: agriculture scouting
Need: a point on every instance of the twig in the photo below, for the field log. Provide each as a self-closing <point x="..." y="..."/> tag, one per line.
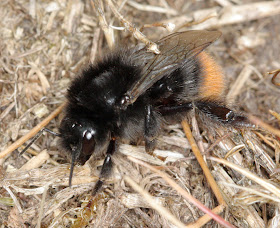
<point x="272" y="145"/>
<point x="32" y="132"/>
<point x="41" y="211"/>
<point x="206" y="218"/>
<point x="14" y="198"/>
<point x="239" y="83"/>
<point x="234" y="150"/>
<point x="94" y="46"/>
<point x="196" y="22"/>
<point x="275" y="74"/>
<point x="185" y="194"/>
<point x="36" y="161"/>
<point x="160" y="209"/>
<point x="224" y="3"/>
<point x="150" y="8"/>
<point x="275" y="114"/>
<point x="109" y="32"/>
<point x="231" y="15"/>
<point x="7" y="110"/>
<point x="264" y="183"/>
<point x="250" y="190"/>
<point x="151" y="46"/>
<point x="202" y="163"/>
<point x="168" y="26"/>
<point x="265" y="126"/>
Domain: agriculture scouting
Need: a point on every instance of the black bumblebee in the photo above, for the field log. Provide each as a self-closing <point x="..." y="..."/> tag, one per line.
<point x="130" y="93"/>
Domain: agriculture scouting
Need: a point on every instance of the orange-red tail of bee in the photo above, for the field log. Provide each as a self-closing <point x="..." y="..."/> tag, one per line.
<point x="213" y="83"/>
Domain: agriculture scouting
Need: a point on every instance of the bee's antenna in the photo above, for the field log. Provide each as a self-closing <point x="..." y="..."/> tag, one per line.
<point x="37" y="136"/>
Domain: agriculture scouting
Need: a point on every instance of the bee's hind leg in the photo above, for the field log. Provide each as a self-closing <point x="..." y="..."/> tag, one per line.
<point x="152" y="126"/>
<point x="106" y="167"/>
<point x="222" y="114"/>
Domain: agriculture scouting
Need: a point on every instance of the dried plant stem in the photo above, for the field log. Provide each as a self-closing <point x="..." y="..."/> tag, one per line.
<point x="206" y="218"/>
<point x="35" y="153"/>
<point x="185" y="194"/>
<point x="15" y="200"/>
<point x="192" y="23"/>
<point x="234" y="150"/>
<point x="239" y="83"/>
<point x="36" y="161"/>
<point x="155" y="9"/>
<point x="94" y="47"/>
<point x="151" y="46"/>
<point x="235" y="14"/>
<point x="265" y="126"/>
<point x="275" y="114"/>
<point x="250" y="190"/>
<point x="272" y="145"/>
<point x="202" y="163"/>
<point x="41" y="210"/>
<point x="109" y="32"/>
<point x="160" y="209"/>
<point x="264" y="183"/>
<point x="169" y="26"/>
<point x="275" y="74"/>
<point x="32" y="132"/>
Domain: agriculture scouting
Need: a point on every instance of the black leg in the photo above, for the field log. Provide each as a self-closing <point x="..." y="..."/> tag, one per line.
<point x="223" y="114"/>
<point x="106" y="167"/>
<point x="152" y="125"/>
<point x="213" y="110"/>
<point x="173" y="109"/>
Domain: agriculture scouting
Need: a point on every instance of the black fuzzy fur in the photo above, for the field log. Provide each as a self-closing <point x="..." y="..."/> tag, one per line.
<point x="94" y="119"/>
<point x="93" y="96"/>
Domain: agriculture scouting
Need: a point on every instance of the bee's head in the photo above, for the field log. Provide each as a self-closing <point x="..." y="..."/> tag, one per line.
<point x="81" y="138"/>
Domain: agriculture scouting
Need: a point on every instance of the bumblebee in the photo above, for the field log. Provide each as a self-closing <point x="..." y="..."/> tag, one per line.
<point x="131" y="93"/>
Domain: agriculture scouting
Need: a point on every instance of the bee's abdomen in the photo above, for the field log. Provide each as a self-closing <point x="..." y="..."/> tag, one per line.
<point x="180" y="86"/>
<point x="212" y="79"/>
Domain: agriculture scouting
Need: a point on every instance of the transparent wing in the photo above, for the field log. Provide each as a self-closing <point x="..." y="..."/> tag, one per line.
<point x="175" y="50"/>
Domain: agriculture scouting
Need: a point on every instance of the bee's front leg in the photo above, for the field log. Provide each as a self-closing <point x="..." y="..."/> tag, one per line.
<point x="106" y="167"/>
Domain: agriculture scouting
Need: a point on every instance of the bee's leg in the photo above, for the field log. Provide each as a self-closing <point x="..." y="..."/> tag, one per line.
<point x="152" y="126"/>
<point x="106" y="167"/>
<point x="173" y="109"/>
<point x="223" y="114"/>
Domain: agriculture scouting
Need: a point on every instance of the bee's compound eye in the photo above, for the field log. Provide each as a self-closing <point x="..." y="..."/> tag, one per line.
<point x="88" y="144"/>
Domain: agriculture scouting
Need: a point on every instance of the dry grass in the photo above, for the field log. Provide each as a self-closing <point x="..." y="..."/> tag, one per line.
<point x="45" y="43"/>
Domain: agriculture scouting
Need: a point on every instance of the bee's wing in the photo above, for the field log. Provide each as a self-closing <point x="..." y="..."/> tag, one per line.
<point x="175" y="50"/>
